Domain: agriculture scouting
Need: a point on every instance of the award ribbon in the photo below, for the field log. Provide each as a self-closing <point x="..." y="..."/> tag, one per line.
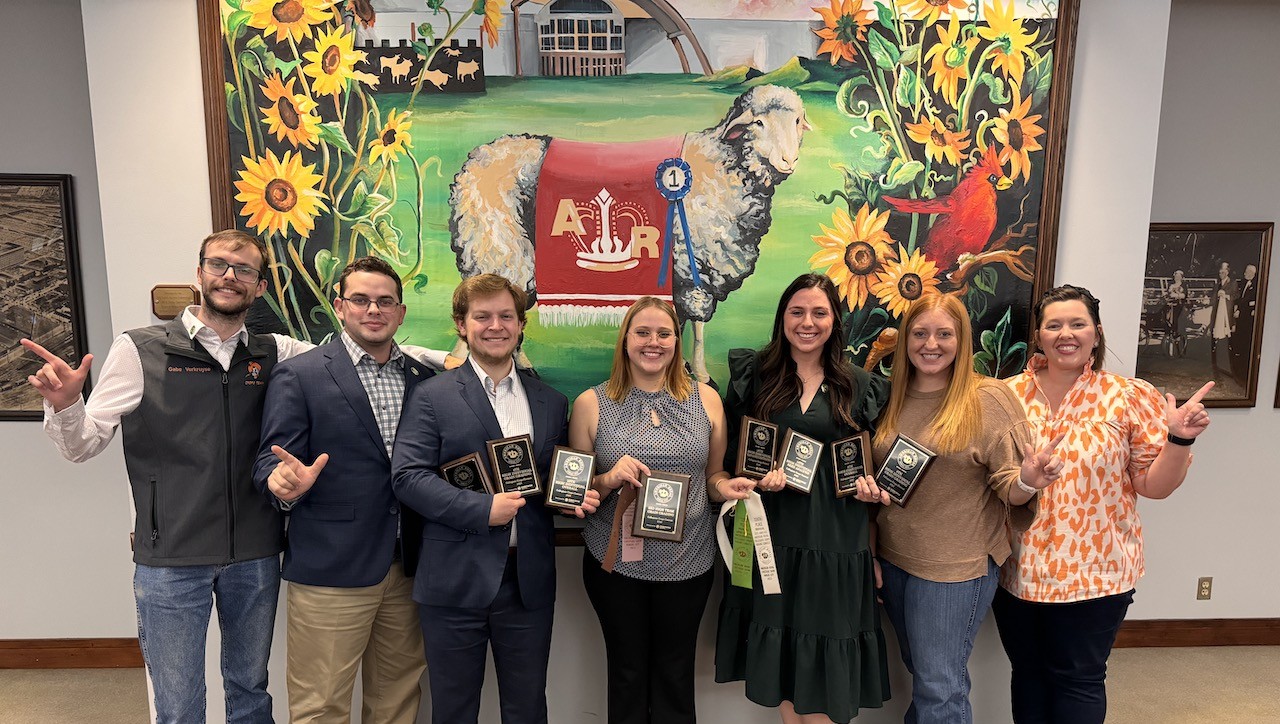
<point x="674" y="179"/>
<point x="743" y="547"/>
<point x="626" y="498"/>
<point x="758" y="526"/>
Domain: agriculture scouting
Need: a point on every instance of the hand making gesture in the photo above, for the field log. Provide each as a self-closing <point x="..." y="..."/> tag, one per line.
<point x="57" y="381"/>
<point x="1189" y="420"/>
<point x="292" y="478"/>
<point x="1040" y="467"/>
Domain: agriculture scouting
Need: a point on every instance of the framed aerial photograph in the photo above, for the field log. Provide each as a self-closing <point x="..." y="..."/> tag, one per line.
<point x="40" y="295"/>
<point x="1202" y="307"/>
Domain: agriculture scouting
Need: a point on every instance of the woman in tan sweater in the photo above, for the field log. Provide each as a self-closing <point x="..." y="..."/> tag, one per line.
<point x="941" y="553"/>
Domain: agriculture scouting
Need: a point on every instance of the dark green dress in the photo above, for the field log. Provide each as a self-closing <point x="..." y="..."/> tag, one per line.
<point x="818" y="643"/>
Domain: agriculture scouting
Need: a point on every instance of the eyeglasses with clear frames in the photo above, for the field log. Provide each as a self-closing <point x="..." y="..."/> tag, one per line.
<point x="663" y="336"/>
<point x="218" y="268"/>
<point x="385" y="304"/>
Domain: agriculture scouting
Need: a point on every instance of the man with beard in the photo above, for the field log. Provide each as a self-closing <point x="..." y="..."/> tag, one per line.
<point x="487" y="573"/>
<point x="188" y="395"/>
<point x="328" y="428"/>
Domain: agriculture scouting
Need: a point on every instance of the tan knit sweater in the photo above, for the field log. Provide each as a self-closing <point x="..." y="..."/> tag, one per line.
<point x="956" y="515"/>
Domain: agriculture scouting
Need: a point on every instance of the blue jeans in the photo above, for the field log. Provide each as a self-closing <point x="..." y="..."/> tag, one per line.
<point x="936" y="624"/>
<point x="173" y="620"/>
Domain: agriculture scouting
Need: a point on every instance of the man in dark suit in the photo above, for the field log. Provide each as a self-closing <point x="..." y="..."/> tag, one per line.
<point x="352" y="549"/>
<point x="487" y="574"/>
<point x="1242" y="337"/>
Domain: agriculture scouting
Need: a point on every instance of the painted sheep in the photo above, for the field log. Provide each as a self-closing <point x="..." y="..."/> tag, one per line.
<point x="735" y="167"/>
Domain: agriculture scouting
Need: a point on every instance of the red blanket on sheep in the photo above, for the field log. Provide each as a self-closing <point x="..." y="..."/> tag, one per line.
<point x="599" y="225"/>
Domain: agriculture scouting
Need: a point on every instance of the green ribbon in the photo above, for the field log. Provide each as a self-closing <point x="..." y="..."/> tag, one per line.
<point x="743" y="547"/>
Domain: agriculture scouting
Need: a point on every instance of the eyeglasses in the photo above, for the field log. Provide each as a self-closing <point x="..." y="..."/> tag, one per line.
<point x="663" y="335"/>
<point x="385" y="304"/>
<point x="218" y="268"/>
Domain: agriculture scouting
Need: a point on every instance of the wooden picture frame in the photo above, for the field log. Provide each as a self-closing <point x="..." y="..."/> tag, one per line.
<point x="1203" y="302"/>
<point x="43" y="299"/>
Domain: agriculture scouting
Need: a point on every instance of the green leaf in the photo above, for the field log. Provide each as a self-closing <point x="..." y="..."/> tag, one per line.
<point x="421" y="48"/>
<point x="884" y="16"/>
<point x="983" y="363"/>
<point x="906" y="88"/>
<point x="986" y="280"/>
<point x="900" y="174"/>
<point x="884" y="53"/>
<point x="844" y="96"/>
<point x="1037" y="81"/>
<point x="233" y="4"/>
<point x="996" y="90"/>
<point x="910" y="54"/>
<point x="331" y="133"/>
<point x="233" y="106"/>
<point x="255" y="43"/>
<point x="326" y="267"/>
<point x="364" y="203"/>
<point x="427" y="31"/>
<point x="236" y="22"/>
<point x="419" y="282"/>
<point x="286" y="66"/>
<point x="252" y="63"/>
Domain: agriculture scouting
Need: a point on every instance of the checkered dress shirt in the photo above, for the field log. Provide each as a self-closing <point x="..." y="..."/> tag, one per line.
<point x="384" y="384"/>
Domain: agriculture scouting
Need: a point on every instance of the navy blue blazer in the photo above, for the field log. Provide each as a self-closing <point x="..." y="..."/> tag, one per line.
<point x="463" y="558"/>
<point x="342" y="533"/>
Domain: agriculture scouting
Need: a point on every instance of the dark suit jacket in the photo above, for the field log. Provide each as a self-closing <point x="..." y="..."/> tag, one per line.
<point x="463" y="558"/>
<point x="342" y="533"/>
<point x="1246" y="302"/>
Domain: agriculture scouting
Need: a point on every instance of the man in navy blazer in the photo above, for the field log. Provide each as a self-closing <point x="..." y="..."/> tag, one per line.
<point x="351" y="548"/>
<point x="487" y="573"/>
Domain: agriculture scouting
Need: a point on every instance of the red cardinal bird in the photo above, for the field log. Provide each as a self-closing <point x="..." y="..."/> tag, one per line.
<point x="966" y="216"/>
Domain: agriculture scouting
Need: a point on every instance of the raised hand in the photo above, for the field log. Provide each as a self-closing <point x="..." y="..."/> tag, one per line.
<point x="1040" y="467"/>
<point x="1191" y="419"/>
<point x="736" y="488"/>
<point x="57" y="381"/>
<point x="869" y="492"/>
<point x="626" y="470"/>
<point x="504" y="508"/>
<point x="292" y="478"/>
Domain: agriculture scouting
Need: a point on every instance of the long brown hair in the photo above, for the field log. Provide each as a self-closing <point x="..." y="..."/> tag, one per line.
<point x="675" y="380"/>
<point x="958" y="421"/>
<point x="780" y="385"/>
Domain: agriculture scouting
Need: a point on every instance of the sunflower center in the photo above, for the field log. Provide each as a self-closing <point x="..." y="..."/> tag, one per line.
<point x="938" y="139"/>
<point x="910" y="287"/>
<point x="281" y="195"/>
<point x="331" y="59"/>
<point x="288" y="114"/>
<point x="389" y="137"/>
<point x="846" y="28"/>
<point x="288" y="11"/>
<point x="937" y="3"/>
<point x="860" y="258"/>
<point x="1015" y="136"/>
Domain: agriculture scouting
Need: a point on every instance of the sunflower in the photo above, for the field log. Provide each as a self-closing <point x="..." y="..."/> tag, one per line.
<point x="1017" y="132"/>
<point x="332" y="62"/>
<point x="939" y="141"/>
<point x="845" y="22"/>
<point x="930" y="10"/>
<point x="290" y="18"/>
<point x="279" y="193"/>
<point x="903" y="282"/>
<point x="290" y="115"/>
<point x="392" y="139"/>
<point x="853" y="251"/>
<point x="1009" y="42"/>
<point x="949" y="60"/>
<point x="492" y="12"/>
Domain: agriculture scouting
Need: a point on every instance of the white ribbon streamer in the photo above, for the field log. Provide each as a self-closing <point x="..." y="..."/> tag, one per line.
<point x="759" y="534"/>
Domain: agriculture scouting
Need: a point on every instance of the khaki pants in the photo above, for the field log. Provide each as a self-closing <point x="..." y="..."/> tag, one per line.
<point x="334" y="631"/>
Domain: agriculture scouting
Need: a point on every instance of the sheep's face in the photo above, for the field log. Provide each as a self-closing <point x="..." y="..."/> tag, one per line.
<point x="769" y="134"/>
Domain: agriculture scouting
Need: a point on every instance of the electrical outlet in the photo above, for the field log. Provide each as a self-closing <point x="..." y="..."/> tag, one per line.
<point x="1204" y="589"/>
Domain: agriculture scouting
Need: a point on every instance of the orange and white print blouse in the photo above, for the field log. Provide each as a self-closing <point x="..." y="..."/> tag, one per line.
<point x="1086" y="539"/>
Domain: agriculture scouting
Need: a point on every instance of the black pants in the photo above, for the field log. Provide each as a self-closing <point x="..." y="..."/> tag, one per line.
<point x="1059" y="655"/>
<point x="650" y="638"/>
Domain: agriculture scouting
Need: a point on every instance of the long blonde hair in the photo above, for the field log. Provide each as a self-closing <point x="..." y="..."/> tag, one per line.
<point x="958" y="421"/>
<point x="676" y="381"/>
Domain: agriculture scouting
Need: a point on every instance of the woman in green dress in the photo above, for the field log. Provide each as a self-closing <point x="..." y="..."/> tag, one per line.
<point x="815" y="650"/>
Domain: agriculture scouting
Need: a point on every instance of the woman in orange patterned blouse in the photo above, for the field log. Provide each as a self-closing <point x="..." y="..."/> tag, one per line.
<point x="1066" y="588"/>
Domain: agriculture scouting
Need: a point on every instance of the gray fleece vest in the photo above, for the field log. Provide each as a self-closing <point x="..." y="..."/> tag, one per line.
<point x="189" y="449"/>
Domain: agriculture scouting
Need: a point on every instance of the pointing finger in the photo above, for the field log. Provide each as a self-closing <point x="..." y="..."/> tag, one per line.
<point x="285" y="456"/>
<point x="43" y="353"/>
<point x="1200" y="393"/>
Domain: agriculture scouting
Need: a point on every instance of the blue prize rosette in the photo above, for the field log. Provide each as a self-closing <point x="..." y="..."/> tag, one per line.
<point x="674" y="179"/>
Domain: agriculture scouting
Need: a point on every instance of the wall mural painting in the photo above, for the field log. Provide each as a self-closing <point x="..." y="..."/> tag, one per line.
<point x="597" y="150"/>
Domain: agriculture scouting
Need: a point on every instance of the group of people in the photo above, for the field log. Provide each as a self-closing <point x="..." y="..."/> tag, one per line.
<point x="1234" y="303"/>
<point x="1028" y="508"/>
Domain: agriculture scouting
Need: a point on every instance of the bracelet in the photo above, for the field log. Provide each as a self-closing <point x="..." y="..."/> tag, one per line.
<point x="1183" y="441"/>
<point x="1026" y="488"/>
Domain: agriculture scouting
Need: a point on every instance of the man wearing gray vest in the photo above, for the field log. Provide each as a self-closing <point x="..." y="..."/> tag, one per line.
<point x="188" y="396"/>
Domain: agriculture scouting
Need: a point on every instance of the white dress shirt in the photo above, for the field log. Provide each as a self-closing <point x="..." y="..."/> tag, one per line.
<point x="510" y="405"/>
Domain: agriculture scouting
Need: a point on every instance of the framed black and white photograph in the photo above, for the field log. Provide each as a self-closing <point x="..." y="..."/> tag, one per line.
<point x="40" y="293"/>
<point x="1202" y="308"/>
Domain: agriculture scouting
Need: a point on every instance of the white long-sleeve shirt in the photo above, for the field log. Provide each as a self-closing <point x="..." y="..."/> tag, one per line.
<point x="84" y="429"/>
